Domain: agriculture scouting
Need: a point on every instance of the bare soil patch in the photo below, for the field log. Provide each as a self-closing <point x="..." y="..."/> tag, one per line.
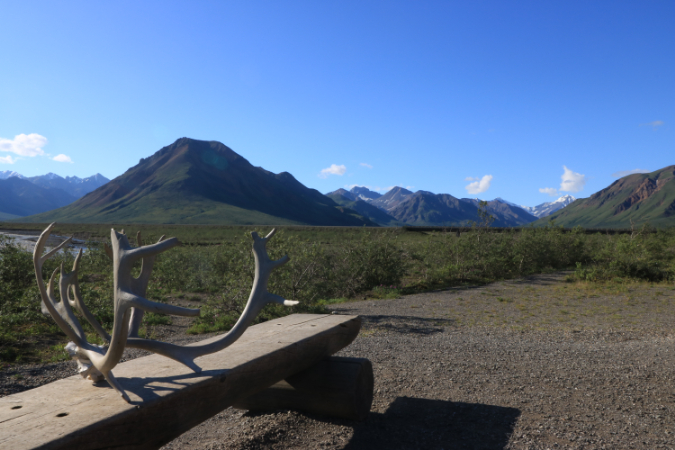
<point x="536" y="363"/>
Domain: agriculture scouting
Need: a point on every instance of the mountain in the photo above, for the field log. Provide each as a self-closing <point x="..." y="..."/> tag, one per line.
<point x="20" y="197"/>
<point x="641" y="197"/>
<point x="195" y="182"/>
<point x="9" y="174"/>
<point x="346" y="199"/>
<point x="75" y="186"/>
<point x="364" y="193"/>
<point x="506" y="214"/>
<point x="428" y="209"/>
<point x="391" y="199"/>
<point x="546" y="209"/>
<point x="343" y="193"/>
<point x="357" y="192"/>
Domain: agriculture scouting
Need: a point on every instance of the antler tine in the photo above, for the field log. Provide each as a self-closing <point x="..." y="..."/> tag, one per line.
<point x="76" y="263"/>
<point x="77" y="302"/>
<point x="42" y="242"/>
<point x="138" y="239"/>
<point x="74" y="332"/>
<point x="68" y="324"/>
<point x="270" y="234"/>
<point x="63" y="307"/>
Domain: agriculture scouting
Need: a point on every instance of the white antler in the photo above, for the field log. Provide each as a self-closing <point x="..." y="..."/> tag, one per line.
<point x="129" y="297"/>
<point x="256" y="302"/>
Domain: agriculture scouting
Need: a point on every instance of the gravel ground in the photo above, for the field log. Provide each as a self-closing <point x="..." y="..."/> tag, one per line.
<point x="535" y="363"/>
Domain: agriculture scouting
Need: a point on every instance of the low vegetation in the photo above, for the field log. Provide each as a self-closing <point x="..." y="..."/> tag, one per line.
<point x="327" y="266"/>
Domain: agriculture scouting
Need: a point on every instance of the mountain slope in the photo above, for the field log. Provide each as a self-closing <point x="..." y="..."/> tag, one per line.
<point x="639" y="197"/>
<point x="427" y="209"/>
<point x="506" y="214"/>
<point x="364" y="193"/>
<point x="391" y="199"/>
<point x="548" y="208"/>
<point x="20" y="197"/>
<point x="363" y="208"/>
<point x="193" y="181"/>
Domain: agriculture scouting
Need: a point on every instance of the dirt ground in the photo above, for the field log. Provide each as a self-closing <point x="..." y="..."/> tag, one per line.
<point x="538" y="363"/>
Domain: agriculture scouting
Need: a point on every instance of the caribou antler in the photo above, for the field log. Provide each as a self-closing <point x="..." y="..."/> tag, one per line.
<point x="129" y="296"/>
<point x="256" y="302"/>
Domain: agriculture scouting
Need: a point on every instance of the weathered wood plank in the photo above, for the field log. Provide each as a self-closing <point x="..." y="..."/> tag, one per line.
<point x="336" y="386"/>
<point x="167" y="398"/>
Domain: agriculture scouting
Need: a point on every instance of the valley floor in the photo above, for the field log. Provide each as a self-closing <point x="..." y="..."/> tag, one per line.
<point x="538" y="363"/>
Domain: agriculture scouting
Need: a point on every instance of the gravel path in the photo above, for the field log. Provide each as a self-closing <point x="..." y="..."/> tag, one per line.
<point x="452" y="372"/>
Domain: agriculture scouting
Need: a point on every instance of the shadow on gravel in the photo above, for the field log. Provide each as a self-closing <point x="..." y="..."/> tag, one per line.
<point x="416" y="423"/>
<point x="407" y="324"/>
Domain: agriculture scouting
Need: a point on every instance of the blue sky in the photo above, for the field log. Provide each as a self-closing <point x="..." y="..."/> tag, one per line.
<point x="471" y="98"/>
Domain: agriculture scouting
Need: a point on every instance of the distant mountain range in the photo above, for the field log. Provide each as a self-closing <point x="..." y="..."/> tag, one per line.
<point x="641" y="198"/>
<point x="403" y="207"/>
<point x="202" y="182"/>
<point x="22" y="196"/>
<point x="544" y="209"/>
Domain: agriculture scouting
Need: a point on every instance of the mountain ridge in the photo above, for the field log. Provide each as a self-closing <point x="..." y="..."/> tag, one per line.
<point x="640" y="198"/>
<point x="193" y="181"/>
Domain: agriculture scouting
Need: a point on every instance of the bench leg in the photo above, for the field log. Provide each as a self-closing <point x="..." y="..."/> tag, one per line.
<point x="337" y="387"/>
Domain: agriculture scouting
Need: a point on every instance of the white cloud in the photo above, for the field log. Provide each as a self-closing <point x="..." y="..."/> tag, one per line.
<point x="572" y="181"/>
<point x="479" y="186"/>
<point x="623" y="173"/>
<point x="62" y="158"/>
<point x="366" y="165"/>
<point x="24" y="144"/>
<point x="553" y="192"/>
<point x="471" y="179"/>
<point x="7" y="159"/>
<point x="334" y="169"/>
<point x="654" y="124"/>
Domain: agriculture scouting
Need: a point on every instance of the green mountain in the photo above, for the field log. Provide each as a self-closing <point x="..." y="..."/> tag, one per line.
<point x="342" y="197"/>
<point x="641" y="197"/>
<point x="428" y="209"/>
<point x="505" y="214"/>
<point x="203" y="182"/>
<point x="20" y="197"/>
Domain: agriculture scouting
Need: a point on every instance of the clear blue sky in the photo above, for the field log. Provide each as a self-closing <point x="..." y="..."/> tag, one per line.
<point x="432" y="95"/>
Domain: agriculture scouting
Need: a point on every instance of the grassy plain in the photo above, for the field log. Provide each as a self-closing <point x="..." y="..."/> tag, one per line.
<point x="330" y="265"/>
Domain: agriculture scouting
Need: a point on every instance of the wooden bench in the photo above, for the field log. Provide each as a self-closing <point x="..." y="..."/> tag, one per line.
<point x="168" y="399"/>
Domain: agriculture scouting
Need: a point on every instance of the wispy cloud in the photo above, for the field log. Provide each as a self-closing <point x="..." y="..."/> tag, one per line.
<point x="655" y="124"/>
<point x="7" y="159"/>
<point x="24" y="144"/>
<point x="471" y="179"/>
<point x="334" y="169"/>
<point x="479" y="186"/>
<point x="366" y="165"/>
<point x="62" y="158"/>
<point x="572" y="181"/>
<point x="553" y="192"/>
<point x="623" y="173"/>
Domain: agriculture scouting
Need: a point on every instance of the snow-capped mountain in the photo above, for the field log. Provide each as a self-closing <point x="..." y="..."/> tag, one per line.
<point x="364" y="193"/>
<point x="9" y="174"/>
<point x="75" y="186"/>
<point x="548" y="208"/>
